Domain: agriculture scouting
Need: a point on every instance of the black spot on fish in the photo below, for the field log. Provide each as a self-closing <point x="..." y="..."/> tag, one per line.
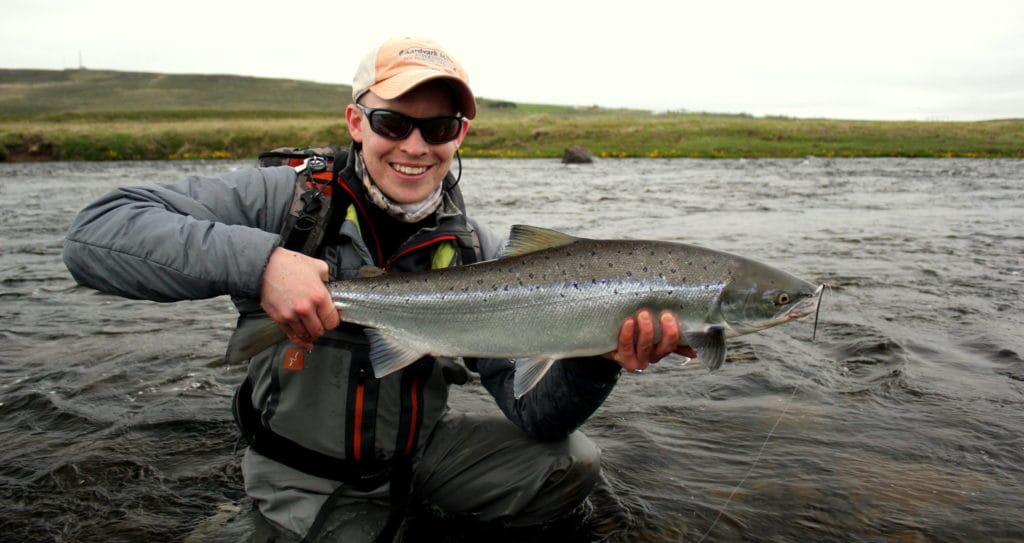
<point x="629" y="274"/>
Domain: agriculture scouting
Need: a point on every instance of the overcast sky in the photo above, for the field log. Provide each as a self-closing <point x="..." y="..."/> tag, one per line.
<point x="866" y="59"/>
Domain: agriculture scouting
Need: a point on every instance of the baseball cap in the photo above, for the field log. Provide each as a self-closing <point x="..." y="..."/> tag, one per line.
<point x="399" y="65"/>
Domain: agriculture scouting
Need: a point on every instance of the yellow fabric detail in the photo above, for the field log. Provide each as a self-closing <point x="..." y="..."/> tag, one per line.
<point x="352" y="217"/>
<point x="444" y="254"/>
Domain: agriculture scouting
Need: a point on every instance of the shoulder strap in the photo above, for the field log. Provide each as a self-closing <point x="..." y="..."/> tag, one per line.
<point x="310" y="209"/>
<point x="294" y="156"/>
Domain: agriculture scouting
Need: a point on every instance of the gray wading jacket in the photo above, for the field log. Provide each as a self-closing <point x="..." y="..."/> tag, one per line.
<point x="202" y="237"/>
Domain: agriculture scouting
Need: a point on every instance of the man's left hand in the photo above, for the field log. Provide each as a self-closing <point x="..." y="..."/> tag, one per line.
<point x="638" y="348"/>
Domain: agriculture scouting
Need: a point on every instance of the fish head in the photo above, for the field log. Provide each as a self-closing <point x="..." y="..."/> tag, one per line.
<point x="760" y="296"/>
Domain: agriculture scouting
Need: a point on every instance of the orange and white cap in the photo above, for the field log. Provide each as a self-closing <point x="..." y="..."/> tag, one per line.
<point x="399" y="65"/>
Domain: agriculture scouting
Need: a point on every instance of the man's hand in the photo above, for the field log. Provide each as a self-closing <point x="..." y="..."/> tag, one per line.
<point x="637" y="348"/>
<point x="294" y="295"/>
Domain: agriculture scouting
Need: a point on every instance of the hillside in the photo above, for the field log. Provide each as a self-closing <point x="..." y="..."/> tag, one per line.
<point x="35" y="92"/>
<point x="28" y="93"/>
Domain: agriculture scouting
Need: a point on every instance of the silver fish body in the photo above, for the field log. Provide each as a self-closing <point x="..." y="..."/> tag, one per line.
<point x="554" y="296"/>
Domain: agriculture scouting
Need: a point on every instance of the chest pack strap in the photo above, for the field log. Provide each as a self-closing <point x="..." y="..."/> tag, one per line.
<point x="316" y="173"/>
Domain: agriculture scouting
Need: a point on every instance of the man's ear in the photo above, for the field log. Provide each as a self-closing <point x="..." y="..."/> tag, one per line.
<point x="462" y="136"/>
<point x="354" y="120"/>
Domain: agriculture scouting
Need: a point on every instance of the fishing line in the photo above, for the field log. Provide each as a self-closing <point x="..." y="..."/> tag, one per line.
<point x="753" y="465"/>
<point x="789" y="401"/>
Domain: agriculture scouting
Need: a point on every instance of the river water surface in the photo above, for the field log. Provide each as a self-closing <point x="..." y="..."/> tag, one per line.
<point x="902" y="421"/>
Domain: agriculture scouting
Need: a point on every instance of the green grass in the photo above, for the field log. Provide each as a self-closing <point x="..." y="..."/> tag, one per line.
<point x="105" y="115"/>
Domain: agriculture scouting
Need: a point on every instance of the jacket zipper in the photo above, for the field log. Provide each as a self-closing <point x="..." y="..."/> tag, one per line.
<point x="357" y="418"/>
<point x="414" y="399"/>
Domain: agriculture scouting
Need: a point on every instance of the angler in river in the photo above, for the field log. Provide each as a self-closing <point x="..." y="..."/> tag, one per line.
<point x="336" y="452"/>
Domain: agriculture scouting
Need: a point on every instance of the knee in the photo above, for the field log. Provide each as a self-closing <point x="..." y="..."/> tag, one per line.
<point x="583" y="465"/>
<point x="573" y="471"/>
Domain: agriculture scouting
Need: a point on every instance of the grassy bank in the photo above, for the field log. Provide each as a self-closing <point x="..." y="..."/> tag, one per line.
<point x="96" y="115"/>
<point x="535" y="136"/>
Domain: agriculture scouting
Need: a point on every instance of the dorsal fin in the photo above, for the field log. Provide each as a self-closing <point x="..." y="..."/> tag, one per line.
<point x="523" y="239"/>
<point x="370" y="271"/>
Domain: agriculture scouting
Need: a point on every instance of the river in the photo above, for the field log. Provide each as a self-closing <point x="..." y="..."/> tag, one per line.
<point x="903" y="420"/>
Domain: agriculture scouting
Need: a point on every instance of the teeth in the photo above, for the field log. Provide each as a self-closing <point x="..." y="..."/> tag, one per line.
<point x="409" y="170"/>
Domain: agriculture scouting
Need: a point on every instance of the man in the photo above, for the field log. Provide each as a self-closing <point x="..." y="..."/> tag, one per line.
<point x="332" y="449"/>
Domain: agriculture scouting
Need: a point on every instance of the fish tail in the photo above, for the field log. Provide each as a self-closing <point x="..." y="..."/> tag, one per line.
<point x="253" y="337"/>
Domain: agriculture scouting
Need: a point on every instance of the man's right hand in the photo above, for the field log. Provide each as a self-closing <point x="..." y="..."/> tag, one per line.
<point x="294" y="295"/>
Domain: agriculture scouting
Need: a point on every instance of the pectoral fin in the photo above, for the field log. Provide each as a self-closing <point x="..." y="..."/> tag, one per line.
<point x="388" y="354"/>
<point x="529" y="372"/>
<point x="709" y="346"/>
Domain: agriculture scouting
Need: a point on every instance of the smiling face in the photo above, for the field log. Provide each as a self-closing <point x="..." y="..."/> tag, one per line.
<point x="408" y="170"/>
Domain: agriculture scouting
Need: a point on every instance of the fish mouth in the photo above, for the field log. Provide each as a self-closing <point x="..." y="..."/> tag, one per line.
<point x="806" y="306"/>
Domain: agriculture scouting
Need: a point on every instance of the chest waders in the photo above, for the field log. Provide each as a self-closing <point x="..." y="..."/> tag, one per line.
<point x="321" y="188"/>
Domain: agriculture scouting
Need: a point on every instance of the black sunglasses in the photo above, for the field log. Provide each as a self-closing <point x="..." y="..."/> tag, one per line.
<point x="397" y="126"/>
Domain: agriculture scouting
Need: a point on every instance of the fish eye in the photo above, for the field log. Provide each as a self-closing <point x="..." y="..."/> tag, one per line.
<point x="782" y="299"/>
